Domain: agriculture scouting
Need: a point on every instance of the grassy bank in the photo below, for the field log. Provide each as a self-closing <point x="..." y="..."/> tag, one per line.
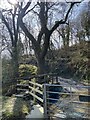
<point x="14" y="108"/>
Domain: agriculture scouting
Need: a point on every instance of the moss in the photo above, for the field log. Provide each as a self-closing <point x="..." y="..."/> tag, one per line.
<point x="14" y="108"/>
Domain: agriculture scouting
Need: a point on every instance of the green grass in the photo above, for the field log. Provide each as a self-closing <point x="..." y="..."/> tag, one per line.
<point x="14" y="108"/>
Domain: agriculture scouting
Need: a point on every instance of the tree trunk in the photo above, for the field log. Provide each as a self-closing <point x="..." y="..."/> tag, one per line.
<point x="41" y="66"/>
<point x="42" y="70"/>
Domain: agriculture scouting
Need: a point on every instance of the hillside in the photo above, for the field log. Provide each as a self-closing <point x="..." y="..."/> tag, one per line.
<point x="71" y="62"/>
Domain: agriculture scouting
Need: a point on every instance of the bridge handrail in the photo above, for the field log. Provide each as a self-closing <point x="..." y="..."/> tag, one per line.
<point x="38" y="76"/>
<point x="40" y="99"/>
<point x="35" y="84"/>
<point x="36" y="90"/>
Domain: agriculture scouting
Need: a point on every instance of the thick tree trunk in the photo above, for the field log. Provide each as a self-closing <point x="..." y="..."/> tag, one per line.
<point x="41" y="66"/>
<point x="42" y="70"/>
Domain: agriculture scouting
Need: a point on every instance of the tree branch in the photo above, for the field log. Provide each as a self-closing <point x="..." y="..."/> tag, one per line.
<point x="35" y="44"/>
<point x="7" y="25"/>
<point x="30" y="9"/>
<point x="35" y="12"/>
<point x="62" y="21"/>
<point x="61" y="34"/>
<point x="23" y="10"/>
<point x="29" y="35"/>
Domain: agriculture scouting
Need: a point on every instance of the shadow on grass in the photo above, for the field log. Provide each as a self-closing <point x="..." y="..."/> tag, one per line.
<point x="15" y="109"/>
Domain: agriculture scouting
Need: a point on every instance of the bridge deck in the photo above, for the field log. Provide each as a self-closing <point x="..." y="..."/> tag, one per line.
<point x="37" y="112"/>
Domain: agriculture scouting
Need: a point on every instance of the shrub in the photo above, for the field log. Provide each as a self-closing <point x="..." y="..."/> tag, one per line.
<point x="6" y="75"/>
<point x="27" y="70"/>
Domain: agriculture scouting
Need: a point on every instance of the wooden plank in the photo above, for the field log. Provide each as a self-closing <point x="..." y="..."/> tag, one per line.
<point x="21" y="96"/>
<point x="23" y="85"/>
<point x="37" y="76"/>
<point x="22" y="89"/>
<point x="36" y="84"/>
<point x="36" y="90"/>
<point x="41" y="100"/>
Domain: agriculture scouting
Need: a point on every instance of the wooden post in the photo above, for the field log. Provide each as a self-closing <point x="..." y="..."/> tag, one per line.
<point x="34" y="92"/>
<point x="56" y="79"/>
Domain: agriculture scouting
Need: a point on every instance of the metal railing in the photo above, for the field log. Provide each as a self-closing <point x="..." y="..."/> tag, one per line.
<point x="60" y="101"/>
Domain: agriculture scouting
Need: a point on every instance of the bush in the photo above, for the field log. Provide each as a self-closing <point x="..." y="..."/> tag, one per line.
<point x="6" y="70"/>
<point x="26" y="70"/>
<point x="7" y="75"/>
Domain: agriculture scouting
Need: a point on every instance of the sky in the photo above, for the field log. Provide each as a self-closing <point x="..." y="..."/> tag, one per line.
<point x="5" y="4"/>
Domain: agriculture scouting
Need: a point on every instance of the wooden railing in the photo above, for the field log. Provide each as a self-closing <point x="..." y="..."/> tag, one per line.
<point x="35" y="88"/>
<point x="43" y="78"/>
<point x="35" y="85"/>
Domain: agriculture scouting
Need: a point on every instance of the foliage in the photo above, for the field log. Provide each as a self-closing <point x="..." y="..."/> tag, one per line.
<point x="6" y="74"/>
<point x="6" y="70"/>
<point x="26" y="70"/>
<point x="71" y="63"/>
<point x="14" y="108"/>
<point x="80" y="61"/>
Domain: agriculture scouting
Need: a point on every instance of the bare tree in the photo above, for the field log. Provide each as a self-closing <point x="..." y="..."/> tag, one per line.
<point x="44" y="33"/>
<point x="11" y="22"/>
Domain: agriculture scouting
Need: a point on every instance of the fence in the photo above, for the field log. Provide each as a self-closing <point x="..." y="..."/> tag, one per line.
<point x="61" y="102"/>
<point x="60" y="99"/>
<point x="36" y="89"/>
